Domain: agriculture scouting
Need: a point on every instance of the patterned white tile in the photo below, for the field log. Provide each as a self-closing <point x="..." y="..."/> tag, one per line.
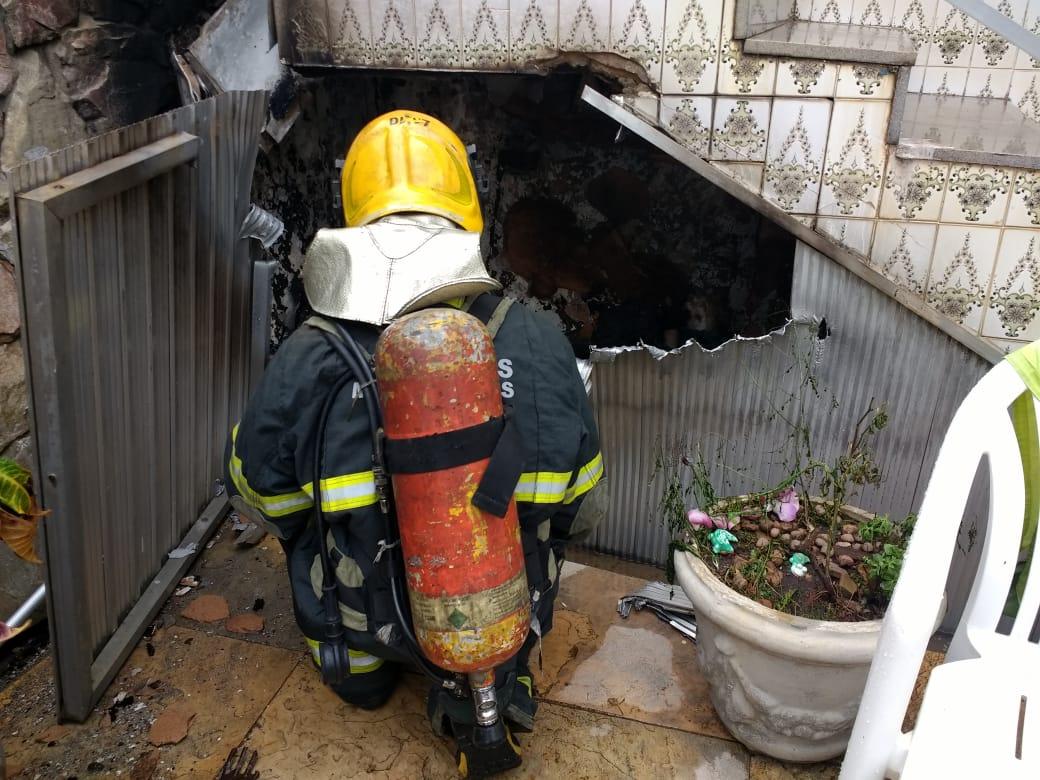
<point x="1024" y="210"/>
<point x="1025" y="92"/>
<point x="944" y="81"/>
<point x="808" y="78"/>
<point x="913" y="189"/>
<point x="393" y="33"/>
<point x="976" y="194"/>
<point x="309" y="29"/>
<point x="691" y="46"/>
<point x="1007" y="346"/>
<point x="439" y="38"/>
<point x="834" y="11"/>
<point x="902" y="252"/>
<point x="855" y="158"/>
<point x="688" y="120"/>
<point x="584" y="25"/>
<point x="485" y="29"/>
<point x="745" y="75"/>
<point x="350" y="32"/>
<point x="916" y="79"/>
<point x="637" y="32"/>
<point x="992" y="50"/>
<point x="853" y="234"/>
<point x="1031" y="21"/>
<point x="794" y="153"/>
<point x="533" y="29"/>
<point x="748" y="174"/>
<point x="961" y="268"/>
<point x="740" y="128"/>
<point x="863" y="81"/>
<point x="989" y="83"/>
<point x="917" y="17"/>
<point x="1014" y="298"/>
<point x="876" y="13"/>
<point x="645" y="104"/>
<point x="953" y="37"/>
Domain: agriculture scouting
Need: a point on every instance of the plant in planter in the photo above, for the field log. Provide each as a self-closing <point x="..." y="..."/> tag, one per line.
<point x="789" y="586"/>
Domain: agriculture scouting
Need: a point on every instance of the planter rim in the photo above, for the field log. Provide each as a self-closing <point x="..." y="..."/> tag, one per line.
<point x="820" y="641"/>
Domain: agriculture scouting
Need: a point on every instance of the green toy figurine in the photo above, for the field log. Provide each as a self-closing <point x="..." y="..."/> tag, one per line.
<point x="722" y="541"/>
<point x="798" y="567"/>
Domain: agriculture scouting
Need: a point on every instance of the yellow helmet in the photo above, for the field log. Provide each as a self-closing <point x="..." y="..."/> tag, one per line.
<point x="407" y="161"/>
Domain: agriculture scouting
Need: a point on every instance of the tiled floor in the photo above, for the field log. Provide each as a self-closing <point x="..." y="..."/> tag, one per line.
<point x="619" y="698"/>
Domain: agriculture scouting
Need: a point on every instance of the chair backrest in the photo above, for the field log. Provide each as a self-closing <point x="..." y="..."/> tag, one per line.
<point x="981" y="428"/>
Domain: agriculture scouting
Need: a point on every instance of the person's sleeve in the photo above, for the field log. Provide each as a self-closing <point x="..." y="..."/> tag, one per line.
<point x="585" y="502"/>
<point x="262" y="450"/>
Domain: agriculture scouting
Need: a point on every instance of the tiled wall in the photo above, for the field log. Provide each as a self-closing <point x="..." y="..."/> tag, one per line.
<point x="808" y="135"/>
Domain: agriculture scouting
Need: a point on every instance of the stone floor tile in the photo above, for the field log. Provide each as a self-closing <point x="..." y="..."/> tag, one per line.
<point x="308" y="732"/>
<point x="226" y="682"/>
<point x="637" y="667"/>
<point x="763" y="768"/>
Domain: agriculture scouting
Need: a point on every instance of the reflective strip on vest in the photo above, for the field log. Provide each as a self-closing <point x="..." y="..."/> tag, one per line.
<point x="340" y="493"/>
<point x="588" y="476"/>
<point x="360" y="662"/>
<point x="542" y="487"/>
<point x="349" y="491"/>
<point x="272" y="506"/>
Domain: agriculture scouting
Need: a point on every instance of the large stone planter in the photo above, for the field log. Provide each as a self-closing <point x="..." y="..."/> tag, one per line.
<point x="785" y="686"/>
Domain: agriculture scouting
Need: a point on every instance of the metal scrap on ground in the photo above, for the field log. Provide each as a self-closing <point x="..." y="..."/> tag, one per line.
<point x="666" y="601"/>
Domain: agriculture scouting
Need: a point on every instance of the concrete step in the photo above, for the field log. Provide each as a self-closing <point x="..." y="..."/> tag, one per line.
<point x="982" y="131"/>
<point x="841" y="42"/>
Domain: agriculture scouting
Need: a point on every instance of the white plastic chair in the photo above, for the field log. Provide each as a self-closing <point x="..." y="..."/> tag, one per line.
<point x="971" y="722"/>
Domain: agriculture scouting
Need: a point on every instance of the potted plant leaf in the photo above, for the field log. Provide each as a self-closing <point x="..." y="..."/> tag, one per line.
<point x="19" y="520"/>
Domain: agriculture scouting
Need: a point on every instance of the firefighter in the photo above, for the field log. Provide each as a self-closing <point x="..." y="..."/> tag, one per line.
<point x="412" y="241"/>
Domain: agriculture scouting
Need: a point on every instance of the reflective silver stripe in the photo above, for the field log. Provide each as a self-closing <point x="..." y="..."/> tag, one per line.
<point x="542" y="487"/>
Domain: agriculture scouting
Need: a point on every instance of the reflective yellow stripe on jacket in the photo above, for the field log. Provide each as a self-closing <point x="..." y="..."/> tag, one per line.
<point x="588" y="476"/>
<point x="339" y="493"/>
<point x="554" y="487"/>
<point x="360" y="662"/>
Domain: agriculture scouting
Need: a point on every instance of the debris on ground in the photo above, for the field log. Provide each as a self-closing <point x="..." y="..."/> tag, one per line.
<point x="666" y="601"/>
<point x="240" y="765"/>
<point x="248" y="623"/>
<point x="207" y="609"/>
<point x="144" y="768"/>
<point x="171" y="726"/>
<point x="185" y="551"/>
<point x="52" y="734"/>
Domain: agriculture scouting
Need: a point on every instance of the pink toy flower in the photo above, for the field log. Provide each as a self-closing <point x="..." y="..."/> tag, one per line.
<point x="787" y="505"/>
<point x="699" y="518"/>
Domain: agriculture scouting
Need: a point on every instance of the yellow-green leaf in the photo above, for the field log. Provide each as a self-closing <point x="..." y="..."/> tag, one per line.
<point x="13" y="493"/>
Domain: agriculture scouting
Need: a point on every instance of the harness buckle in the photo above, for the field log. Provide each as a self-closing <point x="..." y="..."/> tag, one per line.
<point x="384" y="547"/>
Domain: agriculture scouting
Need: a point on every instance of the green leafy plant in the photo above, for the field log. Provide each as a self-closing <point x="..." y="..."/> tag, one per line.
<point x="19" y="515"/>
<point x="884" y="567"/>
<point x="876" y="529"/>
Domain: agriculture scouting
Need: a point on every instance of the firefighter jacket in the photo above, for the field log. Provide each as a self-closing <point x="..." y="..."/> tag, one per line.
<point x="560" y="495"/>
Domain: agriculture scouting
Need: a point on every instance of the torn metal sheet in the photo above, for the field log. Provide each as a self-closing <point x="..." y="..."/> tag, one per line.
<point x="235" y="49"/>
<point x="667" y="602"/>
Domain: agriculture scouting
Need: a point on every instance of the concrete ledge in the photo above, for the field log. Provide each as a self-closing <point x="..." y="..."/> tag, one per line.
<point x="978" y="131"/>
<point x="843" y="42"/>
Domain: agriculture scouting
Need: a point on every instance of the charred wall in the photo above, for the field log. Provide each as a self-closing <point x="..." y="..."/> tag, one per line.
<point x="619" y="241"/>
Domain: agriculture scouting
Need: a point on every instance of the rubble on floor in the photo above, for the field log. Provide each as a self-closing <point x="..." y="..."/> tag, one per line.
<point x="619" y="697"/>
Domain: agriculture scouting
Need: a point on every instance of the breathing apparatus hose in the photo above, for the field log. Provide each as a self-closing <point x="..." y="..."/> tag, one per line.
<point x="348" y="349"/>
<point x="335" y="660"/>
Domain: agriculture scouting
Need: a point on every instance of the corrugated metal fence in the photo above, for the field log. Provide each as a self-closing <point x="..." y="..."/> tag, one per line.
<point x="136" y="307"/>
<point x="725" y="402"/>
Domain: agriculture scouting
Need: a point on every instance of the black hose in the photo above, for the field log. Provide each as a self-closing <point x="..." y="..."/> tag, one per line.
<point x="351" y="353"/>
<point x="329" y="596"/>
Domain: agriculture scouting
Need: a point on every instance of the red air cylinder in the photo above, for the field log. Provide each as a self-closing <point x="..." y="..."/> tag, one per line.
<point x="437" y="373"/>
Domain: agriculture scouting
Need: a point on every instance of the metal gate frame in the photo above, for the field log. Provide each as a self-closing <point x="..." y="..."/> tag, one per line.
<point x="136" y="293"/>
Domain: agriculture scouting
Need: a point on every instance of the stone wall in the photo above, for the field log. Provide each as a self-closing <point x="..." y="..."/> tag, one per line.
<point x="69" y="69"/>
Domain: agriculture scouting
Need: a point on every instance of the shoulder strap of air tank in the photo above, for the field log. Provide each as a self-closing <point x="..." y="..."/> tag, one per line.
<point x="490" y="309"/>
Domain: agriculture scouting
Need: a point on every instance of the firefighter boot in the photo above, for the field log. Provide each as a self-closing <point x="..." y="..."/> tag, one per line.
<point x="483" y="751"/>
<point x="522" y="705"/>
